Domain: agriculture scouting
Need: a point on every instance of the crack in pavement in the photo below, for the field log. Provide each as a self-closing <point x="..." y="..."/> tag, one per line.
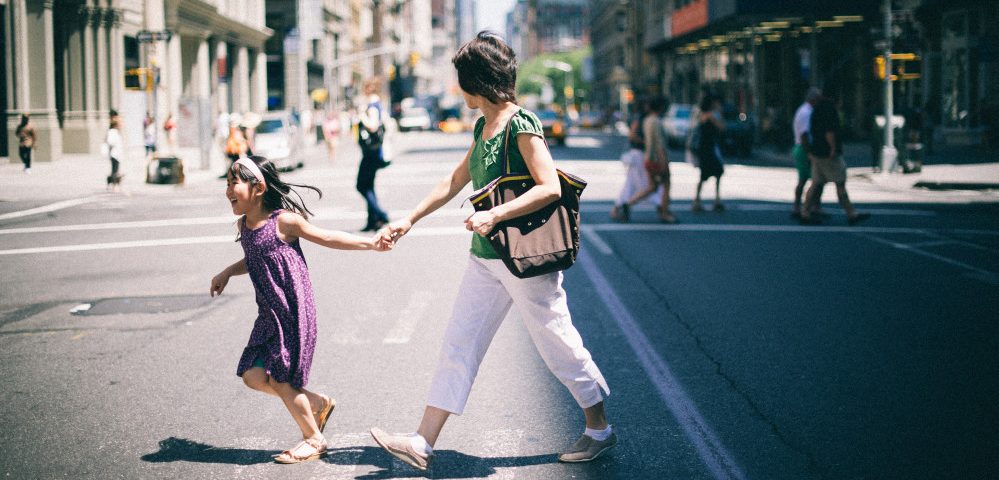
<point x="813" y="464"/>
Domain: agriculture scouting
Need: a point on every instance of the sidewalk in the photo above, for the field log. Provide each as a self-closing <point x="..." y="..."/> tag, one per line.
<point x="948" y="168"/>
<point x="79" y="175"/>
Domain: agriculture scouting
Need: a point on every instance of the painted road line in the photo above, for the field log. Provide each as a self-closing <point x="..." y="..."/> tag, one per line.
<point x="977" y="272"/>
<point x="722" y="227"/>
<point x="752" y="207"/>
<point x="49" y="208"/>
<point x="118" y="245"/>
<point x="227" y="219"/>
<point x="712" y="452"/>
<point x="591" y="236"/>
<point x="405" y="325"/>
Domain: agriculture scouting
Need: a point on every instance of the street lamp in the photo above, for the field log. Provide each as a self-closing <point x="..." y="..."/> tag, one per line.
<point x="567" y="83"/>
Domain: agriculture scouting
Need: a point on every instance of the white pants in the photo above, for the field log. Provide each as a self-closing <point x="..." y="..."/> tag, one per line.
<point x="485" y="296"/>
<point x="636" y="178"/>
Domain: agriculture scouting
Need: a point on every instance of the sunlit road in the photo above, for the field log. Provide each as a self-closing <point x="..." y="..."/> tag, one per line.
<point x="736" y="344"/>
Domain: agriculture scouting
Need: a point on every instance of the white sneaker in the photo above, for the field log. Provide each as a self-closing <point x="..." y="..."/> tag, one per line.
<point x="27" y="171"/>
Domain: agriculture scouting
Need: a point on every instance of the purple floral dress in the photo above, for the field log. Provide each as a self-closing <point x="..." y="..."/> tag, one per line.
<point x="284" y="334"/>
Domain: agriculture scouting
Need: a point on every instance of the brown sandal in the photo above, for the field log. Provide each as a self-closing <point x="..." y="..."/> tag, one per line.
<point x="289" y="456"/>
<point x="324" y="414"/>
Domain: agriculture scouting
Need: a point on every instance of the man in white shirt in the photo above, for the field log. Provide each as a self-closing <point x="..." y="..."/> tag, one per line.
<point x="802" y="119"/>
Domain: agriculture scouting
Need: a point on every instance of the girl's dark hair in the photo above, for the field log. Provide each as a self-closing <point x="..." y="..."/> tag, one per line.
<point x="487" y="66"/>
<point x="279" y="193"/>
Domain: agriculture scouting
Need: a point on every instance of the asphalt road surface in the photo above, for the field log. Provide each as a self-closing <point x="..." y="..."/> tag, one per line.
<point x="737" y="345"/>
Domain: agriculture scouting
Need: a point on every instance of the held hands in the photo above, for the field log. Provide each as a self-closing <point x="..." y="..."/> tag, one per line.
<point x="481" y="222"/>
<point x="392" y="232"/>
<point x="379" y="244"/>
<point x="218" y="283"/>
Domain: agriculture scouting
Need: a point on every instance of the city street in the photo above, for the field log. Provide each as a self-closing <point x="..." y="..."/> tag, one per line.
<point x="737" y="344"/>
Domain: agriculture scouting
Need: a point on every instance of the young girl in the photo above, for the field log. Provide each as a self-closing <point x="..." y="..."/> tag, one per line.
<point x="487" y="74"/>
<point x="278" y="357"/>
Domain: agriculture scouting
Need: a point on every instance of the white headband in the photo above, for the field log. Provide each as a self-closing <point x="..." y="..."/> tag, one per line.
<point x="252" y="167"/>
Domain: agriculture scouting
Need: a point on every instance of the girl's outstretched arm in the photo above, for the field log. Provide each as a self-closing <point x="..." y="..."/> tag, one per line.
<point x="443" y="192"/>
<point x="219" y="281"/>
<point x="292" y="226"/>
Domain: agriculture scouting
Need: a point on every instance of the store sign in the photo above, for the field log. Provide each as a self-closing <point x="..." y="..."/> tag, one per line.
<point x="689" y="18"/>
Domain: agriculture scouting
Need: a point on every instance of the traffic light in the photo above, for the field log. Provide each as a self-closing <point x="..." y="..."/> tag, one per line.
<point x="904" y="66"/>
<point x="139" y="79"/>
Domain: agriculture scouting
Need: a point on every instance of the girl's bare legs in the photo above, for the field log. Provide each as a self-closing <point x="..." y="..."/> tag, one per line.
<point x="257" y="379"/>
<point x="432" y="423"/>
<point x="298" y="406"/>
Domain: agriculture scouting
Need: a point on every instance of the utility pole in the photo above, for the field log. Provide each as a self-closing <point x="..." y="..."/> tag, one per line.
<point x="889" y="155"/>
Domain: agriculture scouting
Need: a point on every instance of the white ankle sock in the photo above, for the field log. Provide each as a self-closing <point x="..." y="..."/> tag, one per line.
<point x="599" y="435"/>
<point x="420" y="444"/>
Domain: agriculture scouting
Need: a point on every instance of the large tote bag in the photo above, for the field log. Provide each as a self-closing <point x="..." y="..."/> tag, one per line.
<point x="540" y="242"/>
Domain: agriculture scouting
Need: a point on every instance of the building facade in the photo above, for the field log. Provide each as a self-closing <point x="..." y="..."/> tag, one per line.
<point x="65" y="64"/>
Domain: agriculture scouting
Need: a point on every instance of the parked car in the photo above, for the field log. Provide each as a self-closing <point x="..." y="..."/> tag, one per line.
<point x="677" y="123"/>
<point x="414" y="118"/>
<point x="737" y="139"/>
<point x="278" y="138"/>
<point x="553" y="125"/>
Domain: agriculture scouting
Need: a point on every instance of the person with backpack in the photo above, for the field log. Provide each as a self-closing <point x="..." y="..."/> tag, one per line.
<point x="371" y="136"/>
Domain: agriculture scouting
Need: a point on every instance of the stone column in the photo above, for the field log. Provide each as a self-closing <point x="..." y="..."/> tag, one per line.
<point x="241" y="80"/>
<point x="222" y="94"/>
<point x="79" y="93"/>
<point x="174" y="71"/>
<point x="258" y="82"/>
<point x="116" y="65"/>
<point x="33" y="77"/>
<point x="202" y="77"/>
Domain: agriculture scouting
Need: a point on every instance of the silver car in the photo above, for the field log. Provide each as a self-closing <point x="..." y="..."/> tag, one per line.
<point x="677" y="123"/>
<point x="278" y="138"/>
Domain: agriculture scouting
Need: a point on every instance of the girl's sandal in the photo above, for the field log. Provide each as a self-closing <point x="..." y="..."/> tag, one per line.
<point x="324" y="414"/>
<point x="313" y="450"/>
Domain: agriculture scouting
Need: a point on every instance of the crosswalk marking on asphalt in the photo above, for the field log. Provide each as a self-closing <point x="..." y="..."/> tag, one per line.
<point x="49" y="208"/>
<point x="712" y="452"/>
<point x="593" y="237"/>
<point x="445" y="231"/>
<point x="405" y="325"/>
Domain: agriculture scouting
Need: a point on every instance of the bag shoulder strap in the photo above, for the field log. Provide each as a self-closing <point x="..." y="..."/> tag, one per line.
<point x="505" y="149"/>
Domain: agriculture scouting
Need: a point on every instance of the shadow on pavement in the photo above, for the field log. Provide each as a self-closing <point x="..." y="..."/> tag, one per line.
<point x="446" y="463"/>
<point x="176" y="449"/>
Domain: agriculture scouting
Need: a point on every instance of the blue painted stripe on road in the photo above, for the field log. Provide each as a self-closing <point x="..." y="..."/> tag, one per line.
<point x="711" y="450"/>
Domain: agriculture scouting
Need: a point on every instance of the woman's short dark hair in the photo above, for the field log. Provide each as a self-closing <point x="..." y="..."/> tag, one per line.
<point x="487" y="67"/>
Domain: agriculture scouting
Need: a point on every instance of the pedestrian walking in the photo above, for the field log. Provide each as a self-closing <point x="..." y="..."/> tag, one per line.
<point x="487" y="76"/>
<point x="114" y="148"/>
<point x="707" y="148"/>
<point x="802" y="141"/>
<point x="371" y="137"/>
<point x="149" y="135"/>
<point x="655" y="160"/>
<point x="235" y="144"/>
<point x="636" y="178"/>
<point x="278" y="358"/>
<point x="331" y="133"/>
<point x="170" y="129"/>
<point x="826" y="154"/>
<point x="25" y="133"/>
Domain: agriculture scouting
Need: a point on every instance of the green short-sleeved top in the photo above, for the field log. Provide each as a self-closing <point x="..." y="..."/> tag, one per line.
<point x="485" y="164"/>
